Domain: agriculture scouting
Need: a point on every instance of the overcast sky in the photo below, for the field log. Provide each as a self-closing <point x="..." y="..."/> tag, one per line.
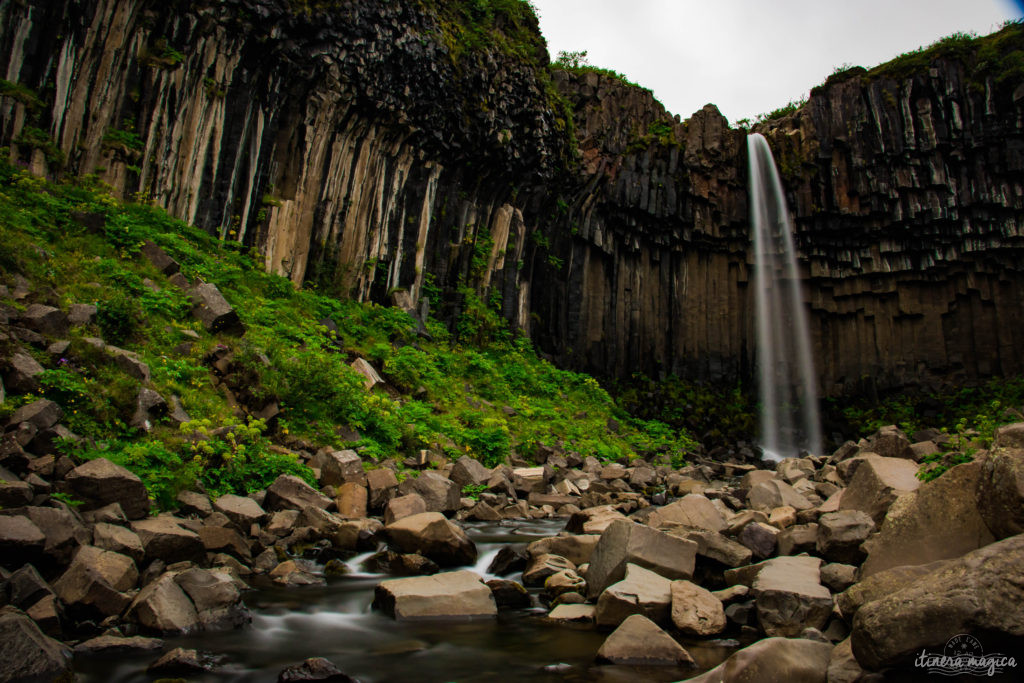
<point x="751" y="56"/>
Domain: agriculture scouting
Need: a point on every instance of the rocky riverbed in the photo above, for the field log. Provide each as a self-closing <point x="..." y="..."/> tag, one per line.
<point x="837" y="568"/>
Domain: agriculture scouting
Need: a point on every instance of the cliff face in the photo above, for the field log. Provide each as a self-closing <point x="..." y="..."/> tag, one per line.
<point x="363" y="146"/>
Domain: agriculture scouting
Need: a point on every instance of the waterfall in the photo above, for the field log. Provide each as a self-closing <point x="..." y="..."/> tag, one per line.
<point x="788" y="411"/>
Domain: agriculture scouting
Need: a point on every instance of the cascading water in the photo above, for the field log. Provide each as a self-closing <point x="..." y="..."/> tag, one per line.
<point x="786" y="382"/>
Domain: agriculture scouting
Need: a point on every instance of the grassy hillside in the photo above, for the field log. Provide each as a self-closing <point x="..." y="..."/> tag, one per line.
<point x="482" y="391"/>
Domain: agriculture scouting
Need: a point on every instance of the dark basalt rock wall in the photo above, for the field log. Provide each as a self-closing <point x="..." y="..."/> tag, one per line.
<point x="356" y="146"/>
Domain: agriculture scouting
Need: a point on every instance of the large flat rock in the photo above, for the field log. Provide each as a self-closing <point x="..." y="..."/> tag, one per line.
<point x="625" y="541"/>
<point x="789" y="596"/>
<point x="449" y="595"/>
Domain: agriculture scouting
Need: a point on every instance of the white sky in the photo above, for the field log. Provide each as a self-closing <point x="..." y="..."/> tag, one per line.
<point x="751" y="56"/>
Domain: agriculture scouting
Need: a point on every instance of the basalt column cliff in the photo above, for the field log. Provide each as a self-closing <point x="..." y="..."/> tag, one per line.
<point x="370" y="146"/>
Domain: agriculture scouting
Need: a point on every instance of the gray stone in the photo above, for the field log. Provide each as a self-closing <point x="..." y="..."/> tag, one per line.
<point x="288" y="492"/>
<point x="717" y="547"/>
<point x="449" y="595"/>
<point x="211" y="309"/>
<point x="217" y="599"/>
<point x="112" y="646"/>
<point x="22" y="373"/>
<point x="130" y="362"/>
<point x="640" y="592"/>
<point x="790" y="597"/>
<point x="119" y="540"/>
<point x="840" y="535"/>
<point x="760" y="538"/>
<point x="694" y="511"/>
<point x="371" y="377"/>
<point x="404" y="506"/>
<point x="382" y="485"/>
<point x="794" y="660"/>
<point x="978" y="593"/>
<point x="696" y="611"/>
<point x="433" y="536"/>
<point x="21" y="541"/>
<point x="164" y="538"/>
<point x="838" y="577"/>
<point x="625" y="542"/>
<point x="163" y="607"/>
<point x="339" y="467"/>
<point x="541" y="567"/>
<point x="773" y="493"/>
<point x="159" y="258"/>
<point x="26" y="654"/>
<point x="439" y="493"/>
<point x="638" y="641"/>
<point x="802" y="538"/>
<point x="876" y="483"/>
<point x="42" y="413"/>
<point x="940" y="520"/>
<point x="242" y="511"/>
<point x="96" y="583"/>
<point x="315" y="669"/>
<point x="101" y="482"/>
<point x="469" y="471"/>
<point x="576" y="548"/>
<point x="80" y="315"/>
<point x="1000" y="488"/>
<point x="46" y="320"/>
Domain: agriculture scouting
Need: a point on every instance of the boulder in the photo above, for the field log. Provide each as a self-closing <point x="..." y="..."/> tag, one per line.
<point x="293" y="574"/>
<point x="42" y="413"/>
<point x="217" y="599"/>
<point x="397" y="564"/>
<point x="433" y="536"/>
<point x="164" y="608"/>
<point x="164" y="538"/>
<point x="572" y="612"/>
<point x="242" y="511"/>
<point x="21" y="541"/>
<point x="129" y="362"/>
<point x="117" y="646"/>
<point x="773" y="493"/>
<point x="695" y="611"/>
<point x="219" y="539"/>
<point x="194" y="503"/>
<point x="315" y="669"/>
<point x="540" y="567"/>
<point x="940" y="520"/>
<point x="352" y="500"/>
<point x="978" y="593"/>
<point x="717" y="547"/>
<point x="25" y="587"/>
<point x="843" y="666"/>
<point x="889" y="442"/>
<point x="509" y="594"/>
<point x="694" y="511"/>
<point x="638" y="641"/>
<point x="794" y="660"/>
<point x="802" y="538"/>
<point x="180" y="662"/>
<point x="46" y="320"/>
<point x="838" y="577"/>
<point x="404" y="506"/>
<point x="118" y="539"/>
<point x="382" y="484"/>
<point x="593" y="520"/>
<point x="449" y="595"/>
<point x="96" y="583"/>
<point x="641" y="592"/>
<point x="790" y="597"/>
<point x="149" y="406"/>
<point x="371" y="377"/>
<point x="215" y="313"/>
<point x="439" y="493"/>
<point x="15" y="493"/>
<point x="358" y="534"/>
<point x="159" y="258"/>
<point x="576" y="548"/>
<point x="625" y="541"/>
<point x="760" y="538"/>
<point x="101" y="482"/>
<point x="878" y="482"/>
<point x="469" y="471"/>
<point x="1000" y="490"/>
<point x="80" y="315"/>
<point x="840" y="535"/>
<point x="338" y="467"/>
<point x="26" y="654"/>
<point x="63" y="530"/>
<point x="21" y="374"/>
<point x="288" y="492"/>
<point x="880" y="585"/>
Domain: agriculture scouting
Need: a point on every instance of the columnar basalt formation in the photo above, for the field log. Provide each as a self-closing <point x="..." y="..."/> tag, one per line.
<point x="369" y="146"/>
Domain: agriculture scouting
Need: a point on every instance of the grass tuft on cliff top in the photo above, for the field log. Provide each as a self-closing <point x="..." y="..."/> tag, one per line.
<point x="482" y="391"/>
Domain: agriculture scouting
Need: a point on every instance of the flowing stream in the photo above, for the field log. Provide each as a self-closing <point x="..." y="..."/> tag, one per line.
<point x="290" y="625"/>
<point x="788" y="410"/>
